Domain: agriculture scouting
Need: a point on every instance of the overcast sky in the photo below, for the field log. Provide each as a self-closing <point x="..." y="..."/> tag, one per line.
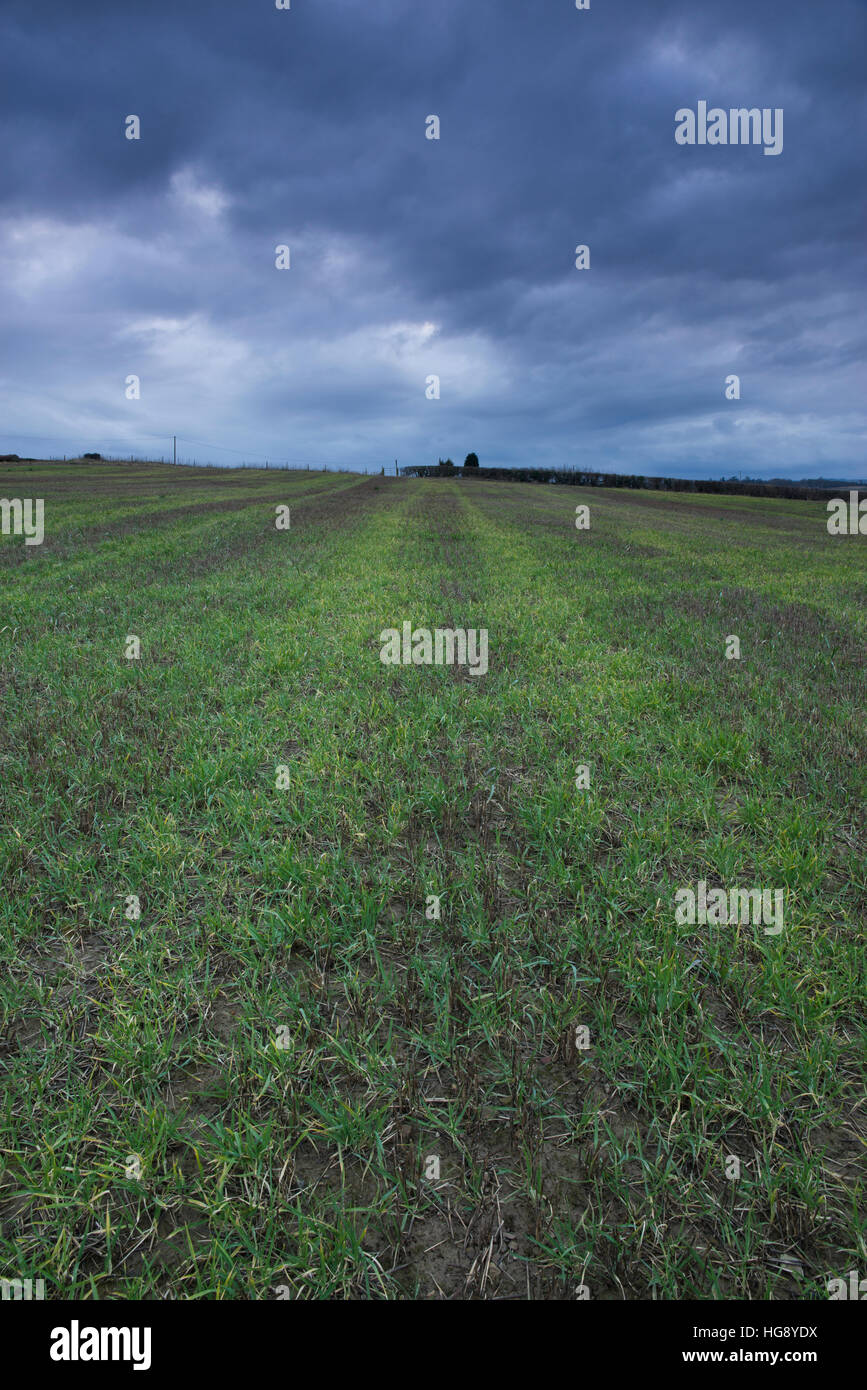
<point x="412" y="257"/>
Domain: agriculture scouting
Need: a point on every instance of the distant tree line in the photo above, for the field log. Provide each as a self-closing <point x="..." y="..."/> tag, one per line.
<point x="14" y="458"/>
<point x="576" y="477"/>
<point x="444" y="466"/>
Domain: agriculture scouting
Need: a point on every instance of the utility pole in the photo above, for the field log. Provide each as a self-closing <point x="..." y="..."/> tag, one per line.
<point x="395" y="468"/>
<point x="174" y="448"/>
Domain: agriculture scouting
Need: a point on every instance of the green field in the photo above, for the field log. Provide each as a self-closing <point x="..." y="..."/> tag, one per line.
<point x="285" y="1078"/>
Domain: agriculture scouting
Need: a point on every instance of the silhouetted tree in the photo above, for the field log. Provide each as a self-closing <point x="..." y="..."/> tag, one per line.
<point x="471" y="461"/>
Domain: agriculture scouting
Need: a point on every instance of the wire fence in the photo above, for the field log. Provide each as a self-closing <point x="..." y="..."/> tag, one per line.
<point x="115" y="451"/>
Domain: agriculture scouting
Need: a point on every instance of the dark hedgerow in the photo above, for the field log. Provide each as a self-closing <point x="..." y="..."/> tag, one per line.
<point x="576" y="477"/>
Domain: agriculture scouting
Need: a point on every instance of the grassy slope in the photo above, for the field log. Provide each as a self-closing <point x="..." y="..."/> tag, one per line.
<point x="296" y="1158"/>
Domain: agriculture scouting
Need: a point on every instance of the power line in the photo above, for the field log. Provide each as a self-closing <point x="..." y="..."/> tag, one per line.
<point x="255" y="459"/>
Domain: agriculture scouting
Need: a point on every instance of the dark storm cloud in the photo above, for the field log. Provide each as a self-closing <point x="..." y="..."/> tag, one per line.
<point x="455" y="257"/>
